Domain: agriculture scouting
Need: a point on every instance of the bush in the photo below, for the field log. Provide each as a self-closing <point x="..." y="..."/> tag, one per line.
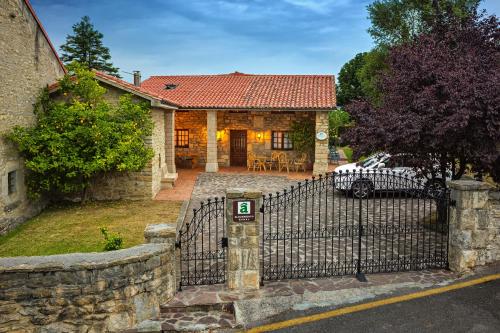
<point x="302" y="135"/>
<point x="81" y="137"/>
<point x="113" y="241"/>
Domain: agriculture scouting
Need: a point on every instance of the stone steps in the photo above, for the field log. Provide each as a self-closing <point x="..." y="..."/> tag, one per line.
<point x="190" y="318"/>
<point x="168" y="181"/>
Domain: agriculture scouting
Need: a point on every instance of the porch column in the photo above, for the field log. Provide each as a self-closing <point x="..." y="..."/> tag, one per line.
<point x="212" y="165"/>
<point x="170" y="141"/>
<point x="321" y="146"/>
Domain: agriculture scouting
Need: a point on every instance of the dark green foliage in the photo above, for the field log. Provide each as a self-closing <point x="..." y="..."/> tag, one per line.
<point x="81" y="138"/>
<point x="337" y="121"/>
<point x="303" y="136"/>
<point x="113" y="241"/>
<point x="349" y="87"/>
<point x="399" y="21"/>
<point x="86" y="47"/>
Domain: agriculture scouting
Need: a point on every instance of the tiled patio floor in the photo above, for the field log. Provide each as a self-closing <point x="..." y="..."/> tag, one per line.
<point x="187" y="179"/>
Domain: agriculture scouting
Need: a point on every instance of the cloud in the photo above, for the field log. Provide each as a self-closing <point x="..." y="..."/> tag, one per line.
<point x="319" y="6"/>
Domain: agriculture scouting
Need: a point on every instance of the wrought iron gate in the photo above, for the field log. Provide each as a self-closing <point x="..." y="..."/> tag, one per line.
<point x="354" y="223"/>
<point x="202" y="246"/>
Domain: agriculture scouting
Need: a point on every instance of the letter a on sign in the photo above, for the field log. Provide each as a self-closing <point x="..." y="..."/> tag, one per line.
<point x="243" y="207"/>
<point x="243" y="210"/>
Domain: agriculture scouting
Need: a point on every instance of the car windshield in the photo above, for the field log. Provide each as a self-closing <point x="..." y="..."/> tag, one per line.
<point x="369" y="161"/>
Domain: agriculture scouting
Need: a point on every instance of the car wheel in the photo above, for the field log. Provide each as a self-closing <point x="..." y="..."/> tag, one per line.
<point x="362" y="188"/>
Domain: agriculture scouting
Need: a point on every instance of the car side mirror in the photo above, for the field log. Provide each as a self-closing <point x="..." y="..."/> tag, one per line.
<point x="381" y="165"/>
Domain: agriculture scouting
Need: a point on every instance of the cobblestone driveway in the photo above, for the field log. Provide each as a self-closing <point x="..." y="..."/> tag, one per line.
<point x="315" y="233"/>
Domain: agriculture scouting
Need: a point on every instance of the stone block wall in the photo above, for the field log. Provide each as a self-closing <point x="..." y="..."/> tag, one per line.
<point x="27" y="64"/>
<point x="92" y="292"/>
<point x="254" y="122"/>
<point x="135" y="185"/>
<point x="243" y="242"/>
<point x="474" y="225"/>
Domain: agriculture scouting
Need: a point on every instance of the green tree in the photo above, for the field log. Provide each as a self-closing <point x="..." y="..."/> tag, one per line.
<point x="398" y="21"/>
<point x="349" y="86"/>
<point x="80" y="137"/>
<point x="337" y="121"/>
<point x="86" y="47"/>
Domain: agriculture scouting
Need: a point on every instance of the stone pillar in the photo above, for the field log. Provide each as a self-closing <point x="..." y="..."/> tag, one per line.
<point x="212" y="165"/>
<point x="321" y="146"/>
<point x="170" y="141"/>
<point x="472" y="231"/>
<point x="243" y="239"/>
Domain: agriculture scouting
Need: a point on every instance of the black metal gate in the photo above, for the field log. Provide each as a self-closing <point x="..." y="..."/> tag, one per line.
<point x="202" y="246"/>
<point x="354" y="223"/>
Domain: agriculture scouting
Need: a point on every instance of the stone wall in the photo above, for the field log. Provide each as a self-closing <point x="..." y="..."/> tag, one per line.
<point x="27" y="64"/>
<point x="255" y="122"/>
<point x="474" y="225"/>
<point x="91" y="292"/>
<point x="135" y="185"/>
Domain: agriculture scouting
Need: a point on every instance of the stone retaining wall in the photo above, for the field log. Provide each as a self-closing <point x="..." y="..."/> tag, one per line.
<point x="91" y="292"/>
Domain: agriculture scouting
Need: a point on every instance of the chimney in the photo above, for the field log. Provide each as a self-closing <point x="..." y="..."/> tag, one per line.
<point x="137" y="78"/>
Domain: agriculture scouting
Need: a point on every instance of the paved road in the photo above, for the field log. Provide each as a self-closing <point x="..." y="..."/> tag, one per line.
<point x="472" y="309"/>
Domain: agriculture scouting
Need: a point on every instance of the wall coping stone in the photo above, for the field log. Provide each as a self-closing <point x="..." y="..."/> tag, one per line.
<point x="81" y="261"/>
<point x="161" y="230"/>
<point x="468" y="185"/>
<point x="238" y="192"/>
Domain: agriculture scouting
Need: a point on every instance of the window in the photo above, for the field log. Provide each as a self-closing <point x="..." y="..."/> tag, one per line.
<point x="182" y="138"/>
<point x="282" y="141"/>
<point x="11" y="182"/>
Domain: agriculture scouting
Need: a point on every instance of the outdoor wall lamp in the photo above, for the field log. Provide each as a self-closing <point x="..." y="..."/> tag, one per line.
<point x="259" y="135"/>
<point x="220" y="133"/>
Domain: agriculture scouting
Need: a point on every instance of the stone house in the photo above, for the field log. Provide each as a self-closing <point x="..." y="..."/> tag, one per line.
<point x="221" y="118"/>
<point x="28" y="62"/>
<point x="216" y="120"/>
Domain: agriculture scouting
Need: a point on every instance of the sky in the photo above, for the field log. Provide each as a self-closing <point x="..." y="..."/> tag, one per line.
<point x="169" y="37"/>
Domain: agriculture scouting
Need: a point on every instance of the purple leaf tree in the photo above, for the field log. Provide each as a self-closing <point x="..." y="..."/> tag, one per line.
<point x="440" y="101"/>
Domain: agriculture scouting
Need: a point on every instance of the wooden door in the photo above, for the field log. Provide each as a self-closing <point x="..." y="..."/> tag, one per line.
<point x="238" y="151"/>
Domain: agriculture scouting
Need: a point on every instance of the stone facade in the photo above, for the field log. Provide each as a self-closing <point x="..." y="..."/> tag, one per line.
<point x="27" y="65"/>
<point x="146" y="183"/>
<point x="474" y="225"/>
<point x="94" y="292"/>
<point x="258" y="124"/>
<point x="321" y="146"/>
<point x="243" y="242"/>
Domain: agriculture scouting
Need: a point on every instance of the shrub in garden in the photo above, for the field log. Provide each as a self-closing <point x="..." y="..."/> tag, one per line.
<point x="81" y="137"/>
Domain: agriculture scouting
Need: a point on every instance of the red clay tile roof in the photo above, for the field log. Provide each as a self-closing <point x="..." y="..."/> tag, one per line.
<point x="246" y="91"/>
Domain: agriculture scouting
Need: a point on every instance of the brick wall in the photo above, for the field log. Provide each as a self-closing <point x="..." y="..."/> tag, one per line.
<point x="27" y="64"/>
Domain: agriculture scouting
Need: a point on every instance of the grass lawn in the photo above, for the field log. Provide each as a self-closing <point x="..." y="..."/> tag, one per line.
<point x="73" y="228"/>
<point x="348" y="153"/>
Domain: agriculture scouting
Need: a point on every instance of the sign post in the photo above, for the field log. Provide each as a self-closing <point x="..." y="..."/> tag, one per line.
<point x="243" y="228"/>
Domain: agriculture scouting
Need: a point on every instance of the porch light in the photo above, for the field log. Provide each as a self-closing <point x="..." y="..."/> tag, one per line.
<point x="259" y="135"/>
<point x="220" y="133"/>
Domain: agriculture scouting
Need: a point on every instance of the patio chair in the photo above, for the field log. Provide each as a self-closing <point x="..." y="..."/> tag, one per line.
<point x="301" y="163"/>
<point x="273" y="162"/>
<point x="283" y="162"/>
<point x="254" y="163"/>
